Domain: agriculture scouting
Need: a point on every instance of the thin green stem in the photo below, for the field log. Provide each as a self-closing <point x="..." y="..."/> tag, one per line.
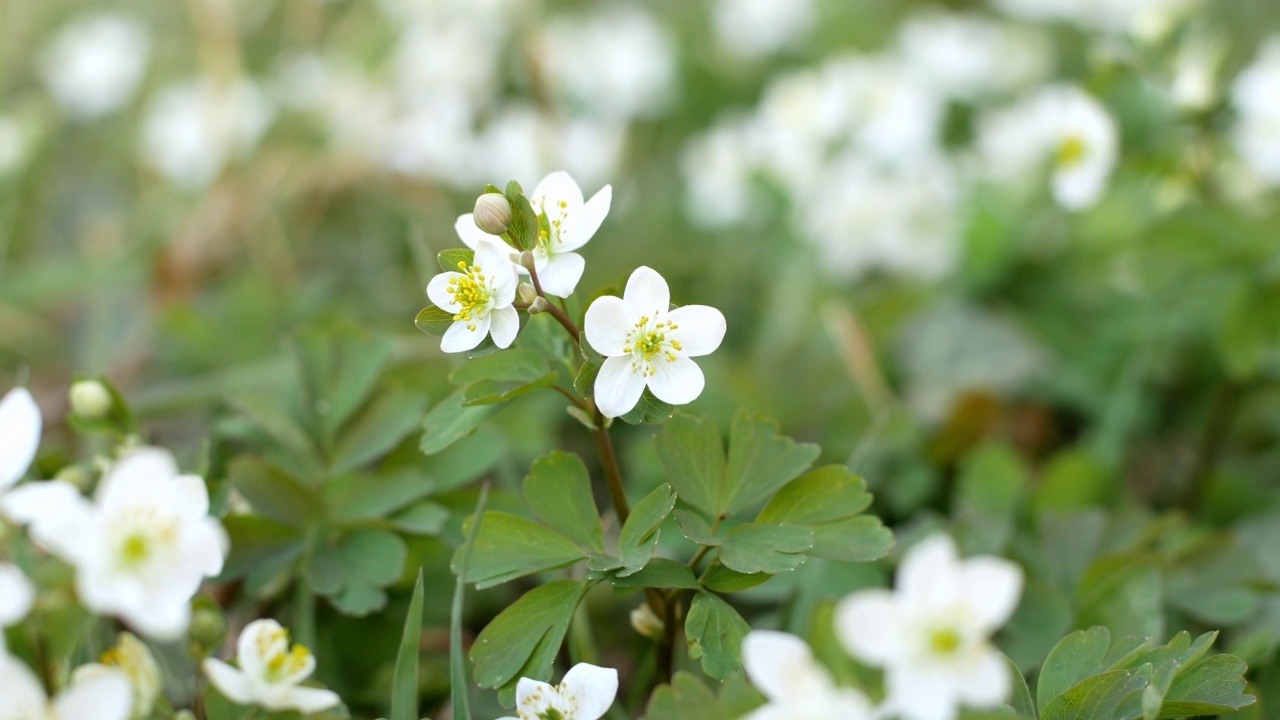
<point x="612" y="473"/>
<point x="560" y="315"/>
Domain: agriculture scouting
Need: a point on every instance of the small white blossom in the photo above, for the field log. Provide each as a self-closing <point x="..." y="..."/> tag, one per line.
<point x="105" y="696"/>
<point x="270" y="672"/>
<point x="480" y="297"/>
<point x="931" y="634"/>
<point x="141" y="549"/>
<point x="93" y="65"/>
<point x="782" y="667"/>
<point x="20" y="426"/>
<point x="16" y="597"/>
<point x="968" y="56"/>
<point x="1059" y="125"/>
<point x="192" y="130"/>
<point x="1256" y="97"/>
<point x="131" y="657"/>
<point x="585" y="693"/>
<point x="646" y="344"/>
<point x="757" y="28"/>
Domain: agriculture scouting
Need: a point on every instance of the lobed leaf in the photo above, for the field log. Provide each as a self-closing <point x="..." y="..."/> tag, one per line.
<point x="714" y="633"/>
<point x="558" y="489"/>
<point x="509" y="546"/>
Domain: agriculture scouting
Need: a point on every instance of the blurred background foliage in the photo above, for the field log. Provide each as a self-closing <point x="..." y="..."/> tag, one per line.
<point x="1091" y="392"/>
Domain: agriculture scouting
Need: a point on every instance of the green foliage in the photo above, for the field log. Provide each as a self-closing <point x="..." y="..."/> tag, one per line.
<point x="404" y="688"/>
<point x="715" y="631"/>
<point x="524" y="639"/>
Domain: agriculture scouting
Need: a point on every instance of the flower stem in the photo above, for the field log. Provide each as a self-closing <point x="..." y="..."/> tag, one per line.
<point x="612" y="473"/>
<point x="560" y="315"/>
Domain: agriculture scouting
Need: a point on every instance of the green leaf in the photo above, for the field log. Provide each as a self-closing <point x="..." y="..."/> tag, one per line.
<point x="257" y="542"/>
<point x="527" y="635"/>
<point x="514" y="365"/>
<point x="1214" y="686"/>
<point x="524" y="219"/>
<point x="649" y="409"/>
<point x="368" y="560"/>
<point x="360" y="497"/>
<point x="714" y="633"/>
<point x="723" y="580"/>
<point x="1250" y="332"/>
<point x="1021" y="701"/>
<point x="449" y="422"/>
<point x="338" y="371"/>
<point x="509" y="547"/>
<point x="1124" y="594"/>
<point x="696" y="528"/>
<point x="490" y="392"/>
<point x="274" y="493"/>
<point x="558" y="489"/>
<point x="378" y="428"/>
<point x="1077" y="656"/>
<point x="828" y="500"/>
<point x="404" y="683"/>
<point x="638" y="539"/>
<point x="760" y="461"/>
<point x="1096" y="698"/>
<point x="859" y="539"/>
<point x="449" y="259"/>
<point x="693" y="455"/>
<point x="433" y="321"/>
<point x="1073" y="480"/>
<point x="457" y="660"/>
<point x="425" y="518"/>
<point x="660" y="573"/>
<point x="686" y="698"/>
<point x="754" y="548"/>
<point x="988" y="494"/>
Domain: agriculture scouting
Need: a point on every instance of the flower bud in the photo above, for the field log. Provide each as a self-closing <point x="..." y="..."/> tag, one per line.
<point x="526" y="293"/>
<point x="539" y="305"/>
<point x="493" y="213"/>
<point x="645" y="622"/>
<point x="90" y="399"/>
<point x="208" y="628"/>
<point x="527" y="261"/>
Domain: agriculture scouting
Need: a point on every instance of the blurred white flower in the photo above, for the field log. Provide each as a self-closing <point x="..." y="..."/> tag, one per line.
<point x="758" y="28"/>
<point x="1195" y="70"/>
<point x="13" y="144"/>
<point x="193" y="129"/>
<point x="893" y="116"/>
<point x="16" y="597"/>
<point x="717" y="167"/>
<point x="647" y="344"/>
<point x="20" y="426"/>
<point x="931" y="634"/>
<point x="967" y="56"/>
<point x="782" y="667"/>
<point x="101" y="697"/>
<point x="479" y="296"/>
<point x="457" y="56"/>
<point x="617" y="62"/>
<point x="93" y="65"/>
<point x="1058" y="125"/>
<point x="1256" y="97"/>
<point x="130" y="656"/>
<point x="141" y="549"/>
<point x="270" y="672"/>
<point x="1147" y="20"/>
<point x="585" y="693"/>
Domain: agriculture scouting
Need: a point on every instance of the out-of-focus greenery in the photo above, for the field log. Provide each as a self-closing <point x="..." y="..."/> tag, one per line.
<point x="1140" y="446"/>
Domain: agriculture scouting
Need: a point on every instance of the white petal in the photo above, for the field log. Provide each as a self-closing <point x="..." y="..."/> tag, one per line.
<point x="105" y="696"/>
<point x="1079" y="188"/>
<point x="20" y="426"/>
<point x="190" y="497"/>
<point x="930" y="573"/>
<point x="57" y="516"/>
<point x="986" y="683"/>
<point x="23" y="697"/>
<point x="132" y="479"/>
<point x="556" y="188"/>
<point x="231" y="682"/>
<point x="311" y="700"/>
<point x="647" y="292"/>
<point x="607" y="323"/>
<point x="461" y="338"/>
<point x="561" y="275"/>
<point x="533" y="695"/>
<point x="593" y="687"/>
<point x="991" y="586"/>
<point x="160" y="618"/>
<point x="16" y="594"/>
<point x="868" y="625"/>
<point x="699" y="329"/>
<point x="618" y="387"/>
<point x="494" y="261"/>
<point x="260" y="640"/>
<point x="438" y="291"/>
<point x="679" y="381"/>
<point x="470" y="234"/>
<point x="583" y="224"/>
<point x="504" y="324"/>
<point x="205" y="546"/>
<point x="922" y="694"/>
<point x="781" y="666"/>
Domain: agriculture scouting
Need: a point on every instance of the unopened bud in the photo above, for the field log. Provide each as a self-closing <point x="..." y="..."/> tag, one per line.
<point x="76" y="475"/>
<point x="645" y="622"/>
<point x="539" y="305"/>
<point x="527" y="261"/>
<point x="526" y="293"/>
<point x="90" y="399"/>
<point x="208" y="629"/>
<point x="493" y="213"/>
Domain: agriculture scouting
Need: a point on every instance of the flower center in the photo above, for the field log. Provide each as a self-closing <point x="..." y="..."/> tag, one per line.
<point x="945" y="641"/>
<point x="645" y="341"/>
<point x="470" y="292"/>
<point x="552" y="224"/>
<point x="283" y="666"/>
<point x="135" y="549"/>
<point x="1071" y="152"/>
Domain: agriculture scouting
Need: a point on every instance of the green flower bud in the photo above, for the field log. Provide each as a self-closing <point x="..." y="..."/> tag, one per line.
<point x="645" y="622"/>
<point x="208" y="628"/>
<point x="493" y="213"/>
<point x="91" y="399"/>
<point x="539" y="305"/>
<point x="526" y="294"/>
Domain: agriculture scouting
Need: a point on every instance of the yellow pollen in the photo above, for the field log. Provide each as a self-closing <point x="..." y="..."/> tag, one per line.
<point x="1072" y="151"/>
<point x="135" y="549"/>
<point x="945" y="641"/>
<point x="471" y="293"/>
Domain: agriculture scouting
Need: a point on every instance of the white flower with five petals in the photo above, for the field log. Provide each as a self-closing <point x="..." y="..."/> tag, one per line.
<point x="270" y="672"/>
<point x="105" y="696"/>
<point x="141" y="548"/>
<point x="782" y="667"/>
<point x="585" y="693"/>
<point x="931" y="634"/>
<point x="647" y="344"/>
<point x="479" y="295"/>
<point x="20" y="425"/>
<point x="571" y="223"/>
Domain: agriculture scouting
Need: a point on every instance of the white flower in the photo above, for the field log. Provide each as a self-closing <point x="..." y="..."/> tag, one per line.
<point x="782" y="667"/>
<point x="480" y="298"/>
<point x="141" y="549"/>
<point x="93" y="65"/>
<point x="931" y="634"/>
<point x="1256" y="96"/>
<point x="645" y="343"/>
<point x="20" y="425"/>
<point x="131" y="657"/>
<point x="193" y="129"/>
<point x="717" y="168"/>
<point x="967" y="56"/>
<point x="16" y="597"/>
<point x="571" y="221"/>
<point x="1061" y="125"/>
<point x="756" y="28"/>
<point x="270" y="672"/>
<point x="101" y="697"/>
<point x="585" y="693"/>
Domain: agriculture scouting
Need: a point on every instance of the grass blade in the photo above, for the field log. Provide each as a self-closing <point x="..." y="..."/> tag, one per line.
<point x="461" y="699"/>
<point x="404" y="684"/>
